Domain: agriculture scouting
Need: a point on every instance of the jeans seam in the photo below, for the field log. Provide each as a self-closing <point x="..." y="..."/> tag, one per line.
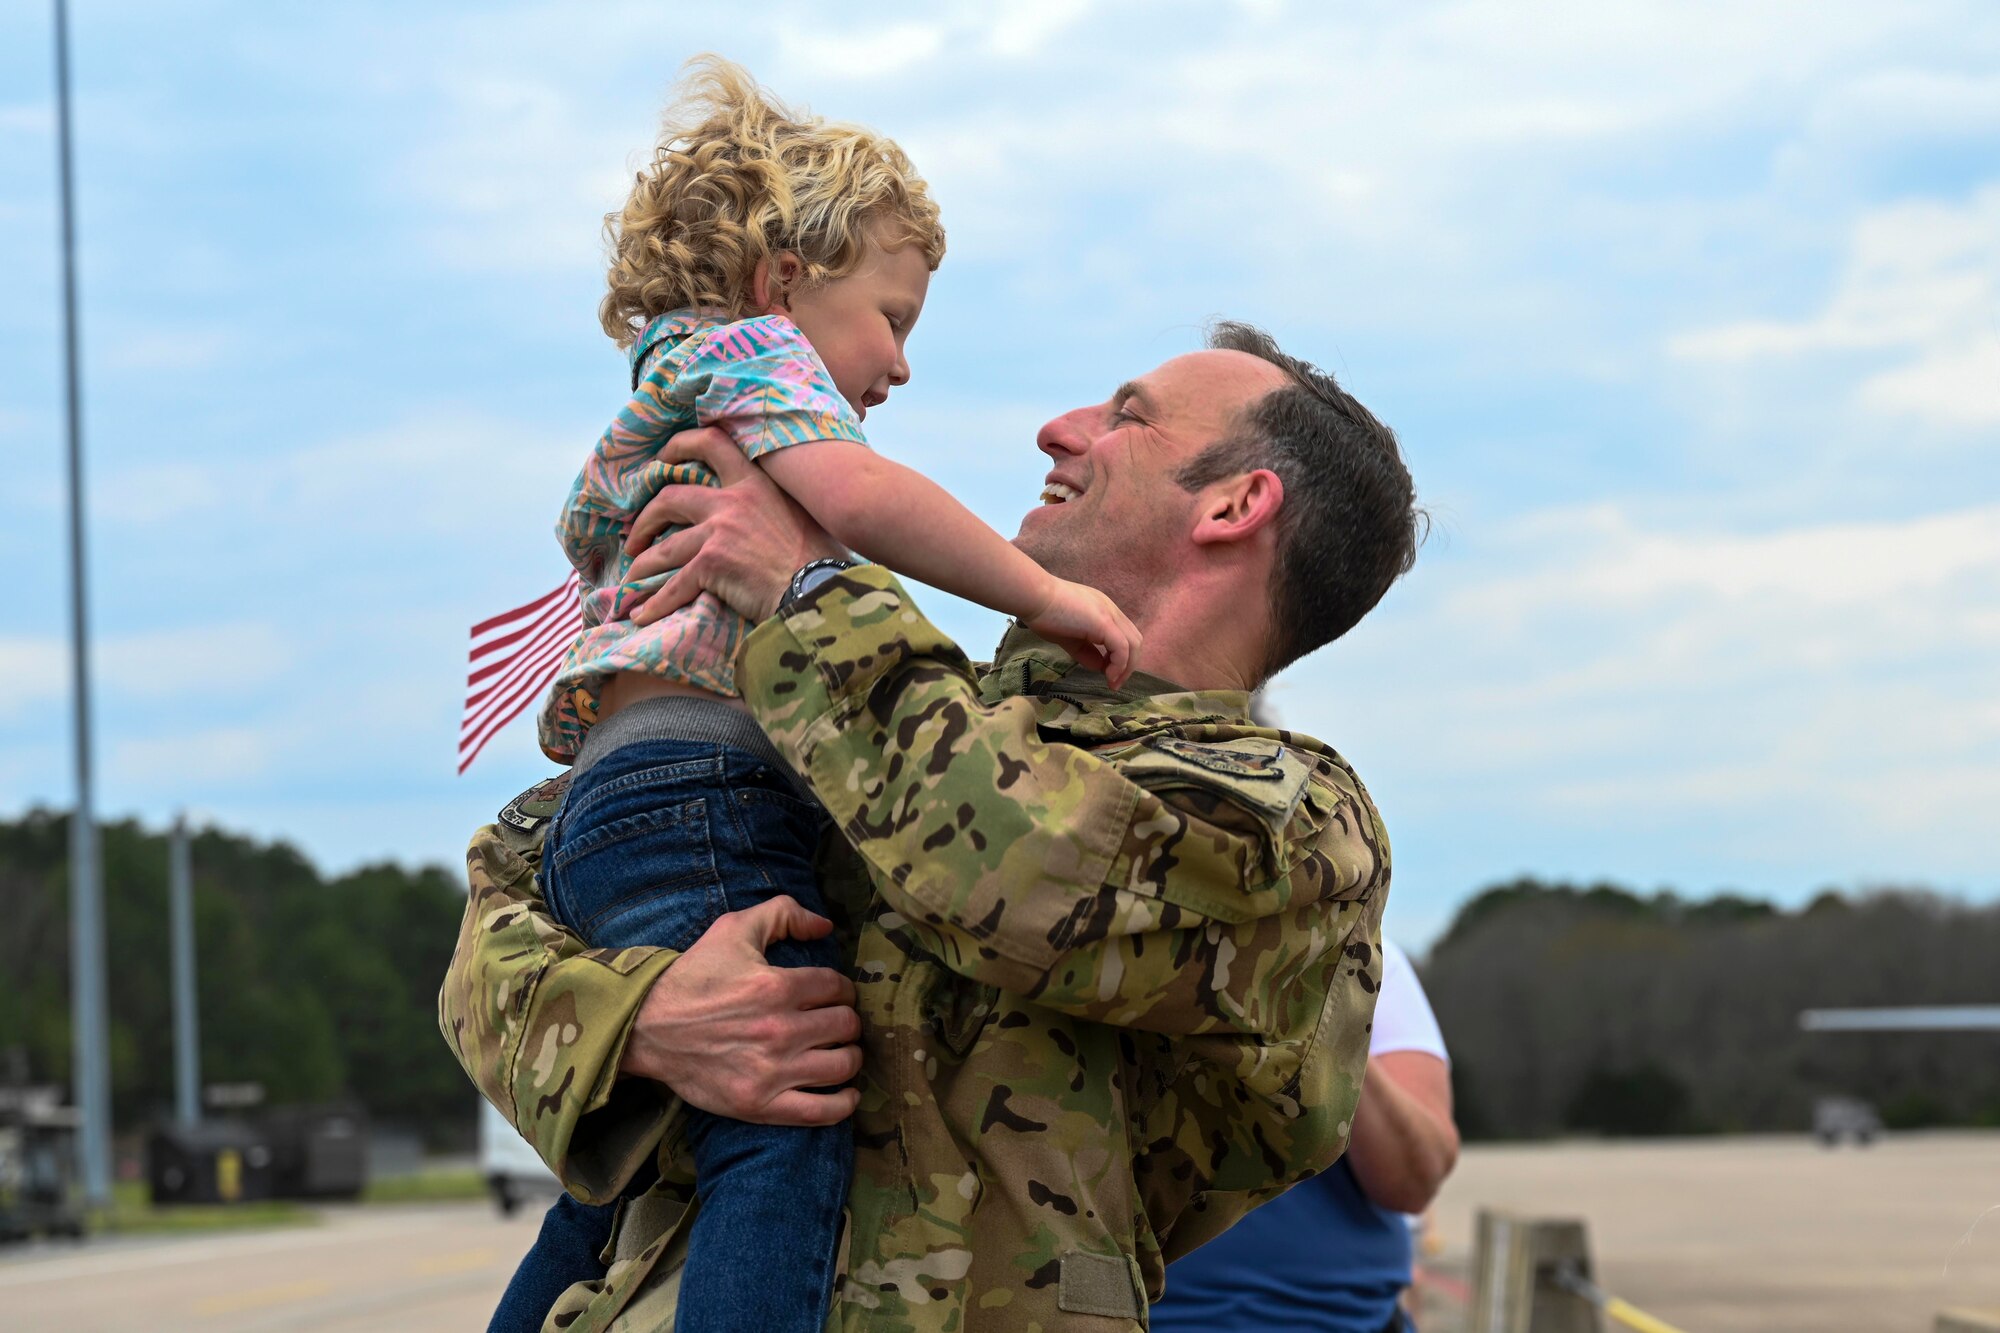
<point x="705" y="879"/>
<point x="649" y="894"/>
<point x="566" y="853"/>
<point x="710" y="769"/>
<point x="742" y="835"/>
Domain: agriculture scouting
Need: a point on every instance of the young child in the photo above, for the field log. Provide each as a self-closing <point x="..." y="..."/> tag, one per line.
<point x="766" y="272"/>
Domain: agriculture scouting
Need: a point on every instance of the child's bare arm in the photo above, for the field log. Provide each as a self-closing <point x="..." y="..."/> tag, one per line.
<point x="900" y="518"/>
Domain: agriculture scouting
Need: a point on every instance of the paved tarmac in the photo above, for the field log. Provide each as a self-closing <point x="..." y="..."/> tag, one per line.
<point x="1758" y="1235"/>
<point x="389" y="1269"/>
<point x="1744" y="1235"/>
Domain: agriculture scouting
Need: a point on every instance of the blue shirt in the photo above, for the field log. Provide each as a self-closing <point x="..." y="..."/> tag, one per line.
<point x="1319" y="1257"/>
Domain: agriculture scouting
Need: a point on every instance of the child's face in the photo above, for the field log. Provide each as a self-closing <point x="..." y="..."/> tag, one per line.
<point x="858" y="324"/>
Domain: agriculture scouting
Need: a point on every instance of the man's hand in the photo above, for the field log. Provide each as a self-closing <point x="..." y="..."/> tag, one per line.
<point x="738" y="1037"/>
<point x="743" y="541"/>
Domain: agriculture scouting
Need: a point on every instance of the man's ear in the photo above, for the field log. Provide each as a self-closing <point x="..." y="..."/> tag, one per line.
<point x="1238" y="508"/>
<point x="772" y="282"/>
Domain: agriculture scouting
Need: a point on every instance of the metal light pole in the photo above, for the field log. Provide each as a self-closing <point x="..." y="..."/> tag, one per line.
<point x="86" y="886"/>
<point x="187" y="1055"/>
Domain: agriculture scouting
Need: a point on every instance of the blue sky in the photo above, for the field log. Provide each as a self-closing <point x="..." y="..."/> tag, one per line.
<point x="1688" y="316"/>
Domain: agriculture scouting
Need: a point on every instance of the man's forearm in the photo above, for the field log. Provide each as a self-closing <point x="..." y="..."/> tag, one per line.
<point x="1404" y="1143"/>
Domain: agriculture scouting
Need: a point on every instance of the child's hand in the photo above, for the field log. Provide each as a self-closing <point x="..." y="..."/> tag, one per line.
<point x="1088" y="626"/>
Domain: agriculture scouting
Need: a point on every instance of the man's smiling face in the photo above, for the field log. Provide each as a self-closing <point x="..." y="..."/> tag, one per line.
<point x="1112" y="514"/>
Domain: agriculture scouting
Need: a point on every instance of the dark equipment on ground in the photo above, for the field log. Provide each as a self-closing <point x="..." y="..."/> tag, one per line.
<point x="287" y="1152"/>
<point x="217" y="1161"/>
<point x="317" y="1152"/>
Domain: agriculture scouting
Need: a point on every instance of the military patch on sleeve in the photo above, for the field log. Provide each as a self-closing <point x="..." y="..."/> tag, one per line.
<point x="1238" y="759"/>
<point x="1258" y="774"/>
<point x="537" y="805"/>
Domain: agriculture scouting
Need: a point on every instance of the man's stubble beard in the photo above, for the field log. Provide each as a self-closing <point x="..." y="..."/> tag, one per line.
<point x="1076" y="551"/>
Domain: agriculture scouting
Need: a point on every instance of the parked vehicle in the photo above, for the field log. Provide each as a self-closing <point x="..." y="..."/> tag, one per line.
<point x="512" y="1169"/>
<point x="39" y="1192"/>
<point x="1837" y="1118"/>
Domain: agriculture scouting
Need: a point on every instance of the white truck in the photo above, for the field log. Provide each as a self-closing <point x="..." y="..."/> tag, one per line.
<point x="510" y="1166"/>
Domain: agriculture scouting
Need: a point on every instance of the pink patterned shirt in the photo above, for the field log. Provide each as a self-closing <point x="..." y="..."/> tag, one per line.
<point x="760" y="380"/>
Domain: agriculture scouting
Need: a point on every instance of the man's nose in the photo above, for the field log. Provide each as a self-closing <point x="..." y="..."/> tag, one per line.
<point x="1069" y="434"/>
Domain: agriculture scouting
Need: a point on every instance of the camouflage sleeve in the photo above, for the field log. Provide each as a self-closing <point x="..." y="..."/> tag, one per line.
<point x="1138" y="888"/>
<point x="539" y="1020"/>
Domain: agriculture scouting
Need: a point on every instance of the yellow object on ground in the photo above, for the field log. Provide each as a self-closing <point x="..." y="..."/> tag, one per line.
<point x="1570" y="1279"/>
<point x="1625" y="1313"/>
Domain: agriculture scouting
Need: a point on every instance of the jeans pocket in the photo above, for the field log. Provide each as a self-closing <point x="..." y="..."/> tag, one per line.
<point x="645" y="879"/>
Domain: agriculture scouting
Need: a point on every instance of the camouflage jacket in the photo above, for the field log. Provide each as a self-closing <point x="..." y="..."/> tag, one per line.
<point x="1116" y="956"/>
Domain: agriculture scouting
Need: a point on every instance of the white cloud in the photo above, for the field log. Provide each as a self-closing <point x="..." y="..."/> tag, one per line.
<point x="169" y="350"/>
<point x="1958" y="388"/>
<point x="436" y="472"/>
<point x="1868" y="121"/>
<point x="213" y="659"/>
<point x="150" y="666"/>
<point x="175" y="763"/>
<point x="875" y="52"/>
<point x="520" y="177"/>
<point x="156" y="493"/>
<point x="35" y="118"/>
<point x="1816" y="701"/>
<point x="1920" y="288"/>
<point x="36" y="672"/>
<point x="1614" y="563"/>
<point x="1024" y="28"/>
<point x="1506" y="211"/>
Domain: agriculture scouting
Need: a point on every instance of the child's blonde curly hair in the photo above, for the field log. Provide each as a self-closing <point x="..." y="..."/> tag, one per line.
<point x="738" y="178"/>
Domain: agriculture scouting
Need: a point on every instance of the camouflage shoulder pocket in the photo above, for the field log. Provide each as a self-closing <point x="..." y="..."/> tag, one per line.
<point x="1258" y="774"/>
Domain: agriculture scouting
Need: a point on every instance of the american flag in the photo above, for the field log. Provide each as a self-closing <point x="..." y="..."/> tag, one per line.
<point x="514" y="656"/>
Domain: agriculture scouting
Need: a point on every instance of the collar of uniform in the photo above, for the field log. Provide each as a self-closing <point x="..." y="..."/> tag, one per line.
<point x="669" y="328"/>
<point x="1026" y="663"/>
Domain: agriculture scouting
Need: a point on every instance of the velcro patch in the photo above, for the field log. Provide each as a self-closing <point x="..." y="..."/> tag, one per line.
<point x="1096" y="1284"/>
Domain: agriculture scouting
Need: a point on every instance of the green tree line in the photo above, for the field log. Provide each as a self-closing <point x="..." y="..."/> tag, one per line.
<point x="318" y="988"/>
<point x="1595" y="1009"/>
<point x="1567" y="1008"/>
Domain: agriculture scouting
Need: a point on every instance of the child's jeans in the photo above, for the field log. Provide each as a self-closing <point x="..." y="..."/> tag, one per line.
<point x="654" y="841"/>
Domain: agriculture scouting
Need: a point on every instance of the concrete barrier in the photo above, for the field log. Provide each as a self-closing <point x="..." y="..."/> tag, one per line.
<point x="1516" y="1261"/>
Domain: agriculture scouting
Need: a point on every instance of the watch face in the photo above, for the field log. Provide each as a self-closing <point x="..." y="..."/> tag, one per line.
<point x="813" y="575"/>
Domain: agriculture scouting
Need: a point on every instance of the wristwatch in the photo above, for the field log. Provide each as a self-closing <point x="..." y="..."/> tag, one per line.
<point x="808" y="578"/>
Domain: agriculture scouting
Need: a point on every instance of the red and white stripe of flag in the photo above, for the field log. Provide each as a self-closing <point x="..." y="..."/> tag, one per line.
<point x="514" y="657"/>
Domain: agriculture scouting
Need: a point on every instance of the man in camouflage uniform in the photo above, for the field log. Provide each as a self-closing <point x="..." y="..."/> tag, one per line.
<point x="1114" y="953"/>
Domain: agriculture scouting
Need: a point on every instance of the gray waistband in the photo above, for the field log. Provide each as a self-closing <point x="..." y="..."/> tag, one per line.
<point x="674" y="717"/>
